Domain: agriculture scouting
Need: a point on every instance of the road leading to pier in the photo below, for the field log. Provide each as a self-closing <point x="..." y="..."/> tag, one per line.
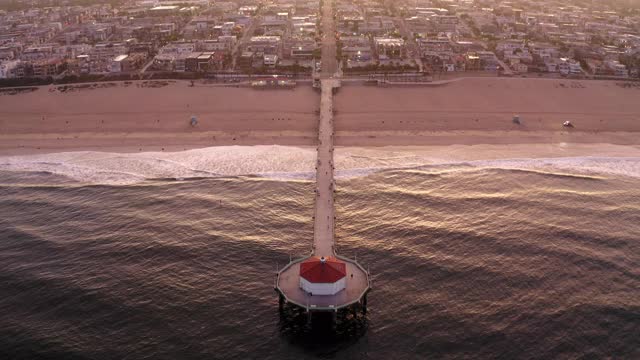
<point x="329" y="62"/>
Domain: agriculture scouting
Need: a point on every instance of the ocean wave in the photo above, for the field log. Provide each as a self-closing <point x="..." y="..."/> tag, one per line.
<point x="570" y="166"/>
<point x="287" y="163"/>
<point x="128" y="168"/>
<point x="577" y="167"/>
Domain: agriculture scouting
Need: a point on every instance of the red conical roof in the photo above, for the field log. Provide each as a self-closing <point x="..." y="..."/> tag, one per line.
<point x="323" y="270"/>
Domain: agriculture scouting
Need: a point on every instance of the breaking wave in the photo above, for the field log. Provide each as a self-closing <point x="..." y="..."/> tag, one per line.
<point x="285" y="163"/>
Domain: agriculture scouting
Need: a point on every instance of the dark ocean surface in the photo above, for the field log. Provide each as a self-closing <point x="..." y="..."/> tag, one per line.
<point x="467" y="263"/>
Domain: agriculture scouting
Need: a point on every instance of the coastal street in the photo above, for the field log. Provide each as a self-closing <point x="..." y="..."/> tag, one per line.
<point x="329" y="61"/>
<point x="413" y="50"/>
<point x="245" y="37"/>
<point x="146" y="66"/>
<point x="507" y="70"/>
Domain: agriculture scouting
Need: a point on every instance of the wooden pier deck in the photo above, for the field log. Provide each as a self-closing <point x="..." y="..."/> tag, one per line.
<point x="324" y="215"/>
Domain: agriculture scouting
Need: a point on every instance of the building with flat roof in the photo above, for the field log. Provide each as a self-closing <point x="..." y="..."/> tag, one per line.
<point x="265" y="44"/>
<point x="270" y="60"/>
<point x="164" y="10"/>
<point x="390" y="47"/>
<point x="47" y="67"/>
<point x="302" y="51"/>
<point x="117" y="63"/>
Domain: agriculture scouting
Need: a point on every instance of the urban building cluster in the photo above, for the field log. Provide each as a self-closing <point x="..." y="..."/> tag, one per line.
<point x="158" y="36"/>
<point x="550" y="38"/>
<point x="369" y="38"/>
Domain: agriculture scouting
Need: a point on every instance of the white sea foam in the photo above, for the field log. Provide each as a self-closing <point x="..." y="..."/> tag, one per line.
<point x="126" y="168"/>
<point x="285" y="163"/>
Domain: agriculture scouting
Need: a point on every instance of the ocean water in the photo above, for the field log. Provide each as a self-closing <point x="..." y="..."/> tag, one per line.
<point x="167" y="258"/>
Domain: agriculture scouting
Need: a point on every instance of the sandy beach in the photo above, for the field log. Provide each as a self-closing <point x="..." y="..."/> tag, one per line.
<point x="480" y="111"/>
<point x="139" y="117"/>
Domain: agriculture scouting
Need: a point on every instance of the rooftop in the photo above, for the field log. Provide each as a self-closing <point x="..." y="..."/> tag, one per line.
<point x="164" y="7"/>
<point x="120" y="57"/>
<point x="265" y="38"/>
<point x="322" y="270"/>
<point x="389" y="41"/>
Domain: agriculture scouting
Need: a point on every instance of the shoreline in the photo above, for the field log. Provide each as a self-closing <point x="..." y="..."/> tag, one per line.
<point x="11" y="145"/>
<point x="436" y="152"/>
<point x="297" y="163"/>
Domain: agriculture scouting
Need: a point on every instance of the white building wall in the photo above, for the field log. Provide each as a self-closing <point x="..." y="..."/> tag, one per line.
<point x="323" y="288"/>
<point x="8" y="69"/>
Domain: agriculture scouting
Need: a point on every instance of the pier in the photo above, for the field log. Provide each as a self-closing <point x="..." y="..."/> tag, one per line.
<point x="354" y="281"/>
<point x="357" y="277"/>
